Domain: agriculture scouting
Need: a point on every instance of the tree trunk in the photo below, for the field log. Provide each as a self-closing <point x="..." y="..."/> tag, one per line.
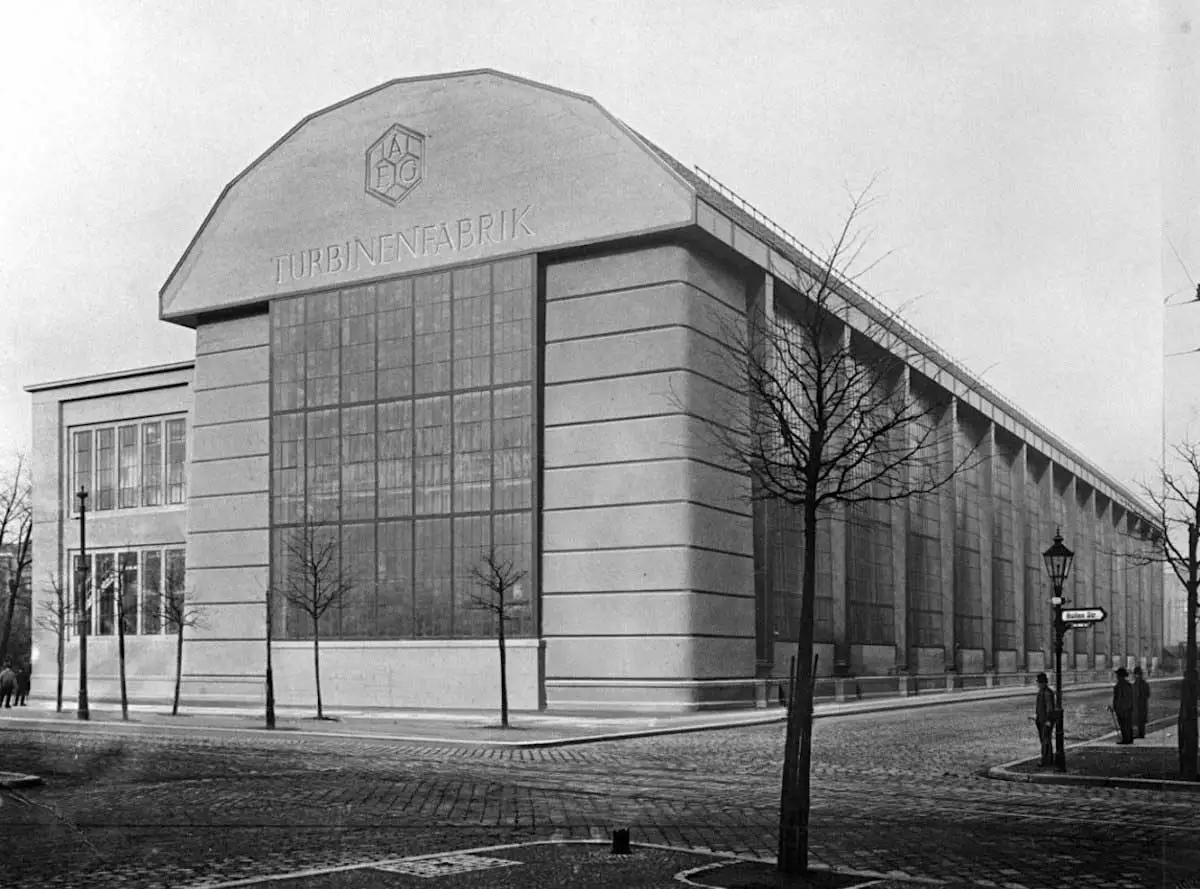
<point x="178" y="666"/>
<point x="317" y="667"/>
<point x="121" y="653"/>
<point x="270" y="676"/>
<point x="62" y="618"/>
<point x="1188" y="734"/>
<point x="795" y="800"/>
<point x="503" y="673"/>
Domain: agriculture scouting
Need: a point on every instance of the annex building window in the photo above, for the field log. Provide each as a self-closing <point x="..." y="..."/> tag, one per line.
<point x="402" y="426"/>
<point x="142" y="587"/>
<point x="130" y="465"/>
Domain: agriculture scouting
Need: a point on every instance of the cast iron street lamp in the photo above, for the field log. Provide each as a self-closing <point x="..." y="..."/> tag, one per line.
<point x="81" y="596"/>
<point x="1058" y="566"/>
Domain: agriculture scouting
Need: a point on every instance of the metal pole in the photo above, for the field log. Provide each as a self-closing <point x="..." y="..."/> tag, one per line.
<point x="85" y="611"/>
<point x="1060" y="756"/>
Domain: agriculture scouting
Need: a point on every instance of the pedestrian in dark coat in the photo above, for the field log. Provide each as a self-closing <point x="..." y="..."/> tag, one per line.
<point x="24" y="678"/>
<point x="1122" y="705"/>
<point x="1141" y="702"/>
<point x="1044" y="718"/>
<point x="8" y="685"/>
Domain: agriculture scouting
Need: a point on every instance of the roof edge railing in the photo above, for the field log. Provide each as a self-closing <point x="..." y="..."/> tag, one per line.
<point x="925" y="345"/>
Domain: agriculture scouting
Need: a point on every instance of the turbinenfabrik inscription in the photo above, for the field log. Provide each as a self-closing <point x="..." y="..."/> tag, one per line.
<point x="395" y="164"/>
<point x="408" y="243"/>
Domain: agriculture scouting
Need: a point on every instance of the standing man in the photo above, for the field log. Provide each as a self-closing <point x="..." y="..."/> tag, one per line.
<point x="1044" y="718"/>
<point x="1141" y="702"/>
<point x="1122" y="705"/>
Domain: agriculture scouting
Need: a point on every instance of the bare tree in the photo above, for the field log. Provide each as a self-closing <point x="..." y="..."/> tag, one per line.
<point x="177" y="614"/>
<point x="313" y="581"/>
<point x="1178" y="546"/>
<point x="498" y="578"/>
<point x="832" y="421"/>
<point x="55" y="617"/>
<point x="16" y="535"/>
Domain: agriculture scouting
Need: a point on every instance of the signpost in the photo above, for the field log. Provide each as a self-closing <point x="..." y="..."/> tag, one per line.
<point x="1082" y="618"/>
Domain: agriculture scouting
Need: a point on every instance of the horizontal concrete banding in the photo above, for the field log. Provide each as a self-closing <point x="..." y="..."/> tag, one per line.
<point x="644" y="394"/>
<point x="229" y="512"/>
<point x="659" y="612"/>
<point x="237" y="367"/>
<point x="235" y="333"/>
<point x="223" y="441"/>
<point x="665" y="480"/>
<point x="647" y="526"/>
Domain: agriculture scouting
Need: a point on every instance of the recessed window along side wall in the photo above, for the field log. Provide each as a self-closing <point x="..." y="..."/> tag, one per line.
<point x="141" y="463"/>
<point x="402" y="424"/>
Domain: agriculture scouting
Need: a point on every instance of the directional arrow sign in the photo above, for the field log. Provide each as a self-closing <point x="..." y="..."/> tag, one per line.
<point x="1083" y="615"/>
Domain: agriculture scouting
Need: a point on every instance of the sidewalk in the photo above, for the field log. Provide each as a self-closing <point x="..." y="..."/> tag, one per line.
<point x="477" y="728"/>
<point x="1150" y="763"/>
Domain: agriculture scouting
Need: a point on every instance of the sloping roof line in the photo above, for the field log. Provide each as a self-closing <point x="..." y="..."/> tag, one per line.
<point x="672" y="166"/>
<point x="740" y="211"/>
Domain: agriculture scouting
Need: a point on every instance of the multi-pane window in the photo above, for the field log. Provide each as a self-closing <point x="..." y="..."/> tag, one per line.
<point x="402" y="417"/>
<point x="104" y="468"/>
<point x="152" y="464"/>
<point x="122" y="467"/>
<point x="176" y="460"/>
<point x="127" y="466"/>
<point x="869" y="585"/>
<point x="127" y="586"/>
<point x="786" y="523"/>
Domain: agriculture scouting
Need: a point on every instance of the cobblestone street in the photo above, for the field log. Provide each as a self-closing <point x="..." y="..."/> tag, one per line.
<point x="899" y="792"/>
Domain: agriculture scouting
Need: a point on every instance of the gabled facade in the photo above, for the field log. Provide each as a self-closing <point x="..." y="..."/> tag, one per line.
<point x="468" y="310"/>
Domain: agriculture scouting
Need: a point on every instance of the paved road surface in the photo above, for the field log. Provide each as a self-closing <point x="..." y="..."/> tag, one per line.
<point x="893" y="792"/>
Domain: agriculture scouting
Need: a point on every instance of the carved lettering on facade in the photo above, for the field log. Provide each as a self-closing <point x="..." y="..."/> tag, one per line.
<point x="413" y="242"/>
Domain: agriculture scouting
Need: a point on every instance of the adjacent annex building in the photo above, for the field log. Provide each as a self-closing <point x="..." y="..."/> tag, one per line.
<point x="467" y="310"/>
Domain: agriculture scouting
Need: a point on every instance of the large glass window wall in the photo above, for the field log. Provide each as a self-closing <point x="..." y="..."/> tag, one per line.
<point x="402" y="423"/>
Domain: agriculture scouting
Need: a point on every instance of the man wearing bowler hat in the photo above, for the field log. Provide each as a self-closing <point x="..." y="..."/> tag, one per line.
<point x="1122" y="705"/>
<point x="1044" y="718"/>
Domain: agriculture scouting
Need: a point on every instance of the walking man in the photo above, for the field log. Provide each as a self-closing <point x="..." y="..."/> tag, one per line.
<point x="8" y="685"/>
<point x="1122" y="705"/>
<point x="1044" y="718"/>
<point x="1141" y="702"/>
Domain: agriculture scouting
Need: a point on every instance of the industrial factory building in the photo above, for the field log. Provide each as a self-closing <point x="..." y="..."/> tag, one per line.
<point x="471" y="310"/>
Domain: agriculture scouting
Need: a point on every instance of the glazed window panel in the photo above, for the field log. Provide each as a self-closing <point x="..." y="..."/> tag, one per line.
<point x="433" y="580"/>
<point x="472" y="538"/>
<point x="127" y="583"/>
<point x="152" y="592"/>
<point x="127" y="466"/>
<point x="472" y="452"/>
<point x="82" y="467"/>
<point x="104" y="583"/>
<point x="174" y="582"/>
<point x="431" y="455"/>
<point x="512" y="534"/>
<point x="394" y="612"/>
<point x="395" y="459"/>
<point x="105" y="466"/>
<point x="176" y="461"/>
<point x="357" y="610"/>
<point x="152" y="464"/>
<point x="446" y="447"/>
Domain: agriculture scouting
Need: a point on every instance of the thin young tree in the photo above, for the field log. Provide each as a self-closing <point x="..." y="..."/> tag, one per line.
<point x="54" y="617"/>
<point x="16" y="534"/>
<point x="831" y="417"/>
<point x="177" y="614"/>
<point x="1177" y="545"/>
<point x="313" y="581"/>
<point x="498" y="579"/>
<point x="120" y="588"/>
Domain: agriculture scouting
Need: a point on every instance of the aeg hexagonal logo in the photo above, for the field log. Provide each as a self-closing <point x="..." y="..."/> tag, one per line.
<point x="395" y="164"/>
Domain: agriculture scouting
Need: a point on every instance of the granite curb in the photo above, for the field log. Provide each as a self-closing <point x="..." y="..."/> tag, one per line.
<point x="1004" y="772"/>
<point x="822" y="710"/>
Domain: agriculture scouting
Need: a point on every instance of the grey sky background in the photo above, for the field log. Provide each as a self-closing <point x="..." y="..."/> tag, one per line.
<point x="1022" y="152"/>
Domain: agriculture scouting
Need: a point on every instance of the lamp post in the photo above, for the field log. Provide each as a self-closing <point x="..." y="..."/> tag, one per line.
<point x="1058" y="566"/>
<point x="85" y="612"/>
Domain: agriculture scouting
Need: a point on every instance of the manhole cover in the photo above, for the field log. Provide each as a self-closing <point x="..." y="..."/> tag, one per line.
<point x="442" y="865"/>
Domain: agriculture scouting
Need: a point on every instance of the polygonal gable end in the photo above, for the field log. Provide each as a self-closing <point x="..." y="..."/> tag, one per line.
<point x="418" y="174"/>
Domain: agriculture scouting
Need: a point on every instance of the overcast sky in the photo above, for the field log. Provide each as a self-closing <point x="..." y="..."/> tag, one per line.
<point x="1021" y="152"/>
